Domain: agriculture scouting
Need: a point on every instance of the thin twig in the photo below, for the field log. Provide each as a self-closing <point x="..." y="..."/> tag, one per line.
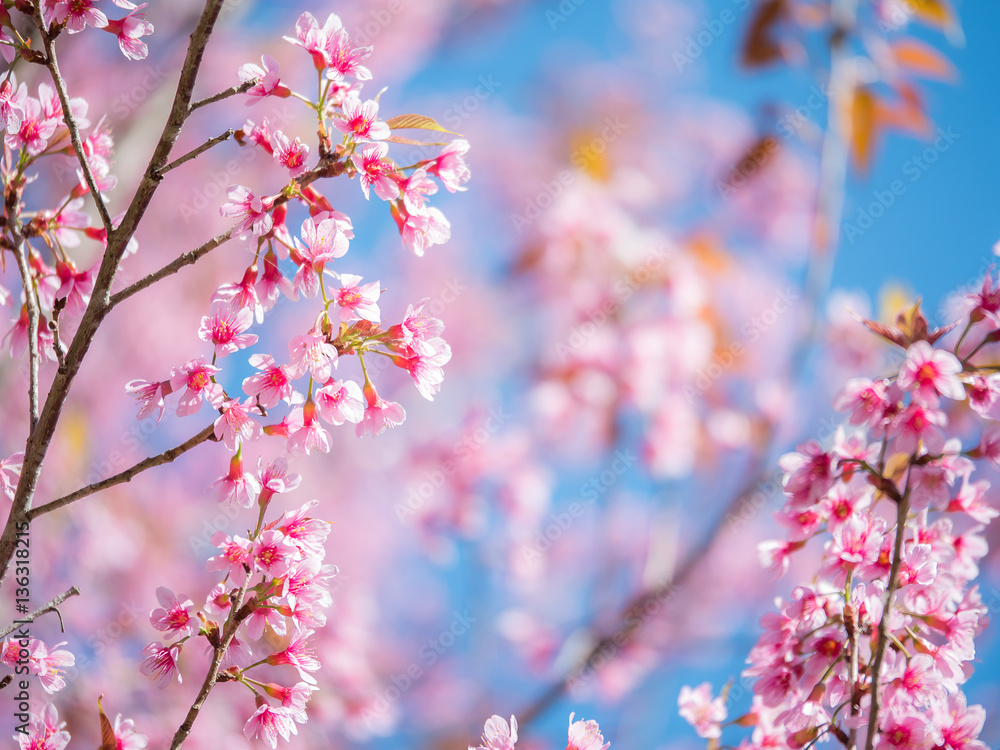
<point x="52" y="63"/>
<point x="50" y="607"/>
<point x="231" y="91"/>
<point x="31" y="301"/>
<point x="185" y="259"/>
<point x="195" y="153"/>
<point x="236" y="616"/>
<point x="902" y="510"/>
<point x="125" y="476"/>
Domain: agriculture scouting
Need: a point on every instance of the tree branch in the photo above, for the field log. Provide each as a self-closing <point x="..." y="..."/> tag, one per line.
<point x="125" y="476"/>
<point x="50" y="607"/>
<point x="185" y="259"/>
<point x="231" y="91"/>
<point x="195" y="153"/>
<point x="31" y="302"/>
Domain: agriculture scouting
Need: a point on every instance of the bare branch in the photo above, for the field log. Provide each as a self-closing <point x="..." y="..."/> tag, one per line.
<point x="52" y="606"/>
<point x="195" y="153"/>
<point x="185" y="259"/>
<point x="31" y="301"/>
<point x="231" y="91"/>
<point x="125" y="476"/>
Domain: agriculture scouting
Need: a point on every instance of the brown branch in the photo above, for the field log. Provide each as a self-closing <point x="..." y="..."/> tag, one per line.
<point x="185" y="259"/>
<point x="902" y="510"/>
<point x="34" y="314"/>
<point x="231" y="91"/>
<point x="124" y="476"/>
<point x="236" y="616"/>
<point x="50" y="607"/>
<point x="196" y="152"/>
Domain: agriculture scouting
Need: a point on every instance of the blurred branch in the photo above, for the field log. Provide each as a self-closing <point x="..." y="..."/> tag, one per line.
<point x="125" y="476"/>
<point x="830" y="200"/>
<point x="231" y="91"/>
<point x="52" y="606"/>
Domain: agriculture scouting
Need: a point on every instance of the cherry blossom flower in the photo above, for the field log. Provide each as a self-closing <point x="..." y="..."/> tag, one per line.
<point x="268" y="79"/>
<point x="315" y="39"/>
<point x="12" y="106"/>
<point x="149" y="396"/>
<point x="45" y="731"/>
<point x="236" y="552"/>
<point x="361" y="121"/>
<point x="224" y="328"/>
<point x="173" y="616"/>
<point x="420" y="231"/>
<point x="272" y="384"/>
<point x="35" y="129"/>
<point x="289" y="154"/>
<point x="268" y="722"/>
<point x="379" y="415"/>
<point x="49" y="664"/>
<point x="254" y="211"/>
<point x="357" y="301"/>
<point x="243" y="294"/>
<point x="498" y="734"/>
<point x="344" y="59"/>
<point x="585" y="735"/>
<point x="161" y="663"/>
<point x="195" y="376"/>
<point x="414" y="190"/>
<point x="126" y="736"/>
<point x="10" y="472"/>
<point x="78" y="14"/>
<point x="311" y="353"/>
<point x="130" y="31"/>
<point x="376" y="171"/>
<point x="294" y="698"/>
<point x="930" y="372"/>
<point x="273" y="553"/>
<point x="703" y="712"/>
<point x="236" y="423"/>
<point x="298" y="655"/>
<point x="450" y="167"/>
<point x="275" y="478"/>
<point x="237" y="486"/>
<point x="340" y="401"/>
<point x="305" y="431"/>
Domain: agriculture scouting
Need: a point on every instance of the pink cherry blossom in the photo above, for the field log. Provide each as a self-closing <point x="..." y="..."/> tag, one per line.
<point x="361" y="121"/>
<point x="450" y="167"/>
<point x="344" y="59"/>
<point x="236" y="552"/>
<point x="238" y="486"/>
<point x="10" y="472"/>
<point x="376" y="170"/>
<point x="268" y="722"/>
<point x="254" y="211"/>
<point x="930" y="372"/>
<point x="195" y="377"/>
<point x="585" y="735"/>
<point x="379" y="415"/>
<point x="78" y="14"/>
<point x="356" y="300"/>
<point x="340" y="401"/>
<point x="311" y="353"/>
<point x="237" y="425"/>
<point x="291" y="155"/>
<point x="703" y="712"/>
<point x="498" y="734"/>
<point x="224" y="327"/>
<point x="149" y="396"/>
<point x="268" y="78"/>
<point x="130" y="31"/>
<point x="315" y="39"/>
<point x="299" y="655"/>
<point x="49" y="664"/>
<point x="272" y="384"/>
<point x="173" y="616"/>
<point x="415" y="189"/>
<point x="273" y="553"/>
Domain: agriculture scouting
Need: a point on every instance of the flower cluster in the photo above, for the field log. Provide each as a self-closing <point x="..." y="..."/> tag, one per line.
<point x="272" y="579"/>
<point x="47" y="663"/>
<point x="880" y="642"/>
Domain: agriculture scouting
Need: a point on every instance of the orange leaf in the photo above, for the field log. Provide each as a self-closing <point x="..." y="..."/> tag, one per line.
<point x="907" y="114"/>
<point x="922" y="58"/>
<point x="413" y="142"/>
<point x="864" y="121"/>
<point x="934" y="12"/>
<point x="759" y="47"/>
<point x="421" y="122"/>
